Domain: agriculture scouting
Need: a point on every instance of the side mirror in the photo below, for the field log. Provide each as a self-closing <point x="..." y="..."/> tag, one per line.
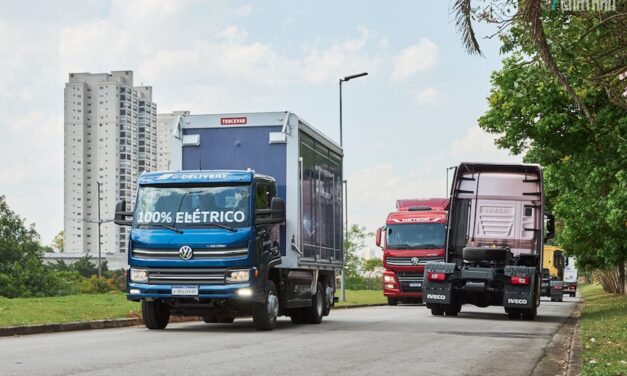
<point x="276" y="213"/>
<point x="121" y="214"/>
<point x="377" y="239"/>
<point x="277" y="205"/>
<point x="550" y="226"/>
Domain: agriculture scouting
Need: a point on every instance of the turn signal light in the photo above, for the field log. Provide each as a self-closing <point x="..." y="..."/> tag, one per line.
<point x="433" y="276"/>
<point x="520" y="280"/>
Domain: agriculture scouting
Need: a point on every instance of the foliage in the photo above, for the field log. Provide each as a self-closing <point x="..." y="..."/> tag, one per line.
<point x="355" y="240"/>
<point x="604" y="332"/>
<point x="373" y="264"/>
<point x="584" y="157"/>
<point x="360" y="282"/>
<point x="86" y="268"/>
<point x="96" y="285"/>
<point x="58" y="241"/>
<point x="22" y="272"/>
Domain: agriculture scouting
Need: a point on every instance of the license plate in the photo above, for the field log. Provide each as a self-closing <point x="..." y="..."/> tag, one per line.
<point x="415" y="284"/>
<point x="185" y="290"/>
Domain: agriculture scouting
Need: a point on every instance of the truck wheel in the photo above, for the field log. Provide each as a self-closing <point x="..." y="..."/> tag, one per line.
<point x="328" y="299"/>
<point x="572" y="294"/>
<point x="265" y="313"/>
<point x="210" y="319"/>
<point x="392" y="301"/>
<point x="452" y="309"/>
<point x="437" y="310"/>
<point x="227" y="319"/>
<point x="512" y="314"/>
<point x="156" y="315"/>
<point x="316" y="311"/>
<point x="484" y="254"/>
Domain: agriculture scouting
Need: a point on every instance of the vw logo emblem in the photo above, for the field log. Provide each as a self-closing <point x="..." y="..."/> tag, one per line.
<point x="186" y="252"/>
<point x="415" y="260"/>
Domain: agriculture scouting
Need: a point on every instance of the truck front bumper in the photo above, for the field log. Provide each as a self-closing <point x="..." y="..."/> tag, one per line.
<point x="240" y="291"/>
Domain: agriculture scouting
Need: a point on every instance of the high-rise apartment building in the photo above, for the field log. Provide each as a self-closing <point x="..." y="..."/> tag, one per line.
<point x="110" y="138"/>
<point x="166" y="135"/>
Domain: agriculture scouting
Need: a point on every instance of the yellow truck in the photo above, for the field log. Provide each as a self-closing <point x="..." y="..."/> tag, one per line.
<point x="553" y="272"/>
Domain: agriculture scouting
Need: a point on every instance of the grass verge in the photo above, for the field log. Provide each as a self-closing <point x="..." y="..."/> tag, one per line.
<point x="604" y="332"/>
<point x="86" y="307"/>
<point x="357" y="297"/>
<point x="60" y="309"/>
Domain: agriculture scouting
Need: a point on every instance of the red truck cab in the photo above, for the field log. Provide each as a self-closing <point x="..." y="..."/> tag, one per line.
<point x="412" y="236"/>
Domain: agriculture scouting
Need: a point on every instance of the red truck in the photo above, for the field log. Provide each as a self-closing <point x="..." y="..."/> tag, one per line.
<point x="412" y="236"/>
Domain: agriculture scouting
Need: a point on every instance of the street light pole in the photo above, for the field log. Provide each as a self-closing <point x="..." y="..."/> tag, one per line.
<point x="99" y="223"/>
<point x="345" y="79"/>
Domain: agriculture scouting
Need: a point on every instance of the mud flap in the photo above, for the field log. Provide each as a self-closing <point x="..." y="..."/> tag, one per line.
<point x="438" y="292"/>
<point x="519" y="296"/>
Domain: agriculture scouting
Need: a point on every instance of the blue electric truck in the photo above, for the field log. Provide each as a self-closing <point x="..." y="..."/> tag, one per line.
<point x="248" y="223"/>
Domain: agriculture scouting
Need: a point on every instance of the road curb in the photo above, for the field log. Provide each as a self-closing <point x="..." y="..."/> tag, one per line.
<point x="563" y="353"/>
<point x="360" y="306"/>
<point x="107" y="324"/>
<point x="80" y="325"/>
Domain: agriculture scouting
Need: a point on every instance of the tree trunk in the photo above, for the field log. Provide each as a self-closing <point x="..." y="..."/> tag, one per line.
<point x="621" y="277"/>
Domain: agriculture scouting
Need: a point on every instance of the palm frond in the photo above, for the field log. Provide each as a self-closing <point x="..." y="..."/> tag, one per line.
<point x="463" y="23"/>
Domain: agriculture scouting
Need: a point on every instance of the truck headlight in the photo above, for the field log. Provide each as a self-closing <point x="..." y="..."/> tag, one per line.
<point x="388" y="278"/>
<point x="139" y="275"/>
<point x="237" y="275"/>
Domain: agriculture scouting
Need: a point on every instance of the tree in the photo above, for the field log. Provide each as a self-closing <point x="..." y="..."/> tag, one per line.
<point x="605" y="57"/>
<point x="58" y="241"/>
<point x="22" y="272"/>
<point x="373" y="264"/>
<point x="584" y="154"/>
<point x="355" y="240"/>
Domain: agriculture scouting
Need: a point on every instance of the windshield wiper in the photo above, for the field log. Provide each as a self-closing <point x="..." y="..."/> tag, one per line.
<point x="229" y="228"/>
<point x="429" y="246"/>
<point x="161" y="225"/>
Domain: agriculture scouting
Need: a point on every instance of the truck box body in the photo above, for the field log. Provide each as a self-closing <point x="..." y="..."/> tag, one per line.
<point x="248" y="223"/>
<point x="306" y="165"/>
<point x="494" y="241"/>
<point x="412" y="236"/>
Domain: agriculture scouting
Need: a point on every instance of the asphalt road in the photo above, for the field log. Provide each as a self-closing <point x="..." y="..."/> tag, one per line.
<point x="398" y="340"/>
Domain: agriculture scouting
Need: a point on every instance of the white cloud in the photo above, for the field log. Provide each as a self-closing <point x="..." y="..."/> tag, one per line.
<point x="243" y="11"/>
<point x="478" y="146"/>
<point x="429" y="96"/>
<point x="414" y="59"/>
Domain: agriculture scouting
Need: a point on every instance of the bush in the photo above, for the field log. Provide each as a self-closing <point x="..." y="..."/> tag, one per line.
<point x="364" y="283"/>
<point x="95" y="285"/>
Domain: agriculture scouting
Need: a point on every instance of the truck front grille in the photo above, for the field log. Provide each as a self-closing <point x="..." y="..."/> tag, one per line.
<point x="410" y="282"/>
<point x="412" y="261"/>
<point x="193" y="276"/>
<point x="198" y="253"/>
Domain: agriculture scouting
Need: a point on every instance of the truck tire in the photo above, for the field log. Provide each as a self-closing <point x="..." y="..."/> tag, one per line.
<point x="327" y="304"/>
<point x="392" y="301"/>
<point x="452" y="309"/>
<point x="315" y="313"/>
<point x="572" y="294"/>
<point x="484" y="254"/>
<point x="156" y="315"/>
<point x="226" y="319"/>
<point x="437" y="310"/>
<point x="210" y="319"/>
<point x="512" y="313"/>
<point x="266" y="312"/>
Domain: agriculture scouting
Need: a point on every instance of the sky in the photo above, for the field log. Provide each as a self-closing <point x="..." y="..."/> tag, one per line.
<point x="414" y="115"/>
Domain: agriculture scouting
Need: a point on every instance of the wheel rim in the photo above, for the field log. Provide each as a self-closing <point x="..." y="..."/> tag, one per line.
<point x="272" y="305"/>
<point x="319" y="303"/>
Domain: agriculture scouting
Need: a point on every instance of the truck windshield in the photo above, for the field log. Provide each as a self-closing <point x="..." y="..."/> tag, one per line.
<point x="415" y="236"/>
<point x="224" y="206"/>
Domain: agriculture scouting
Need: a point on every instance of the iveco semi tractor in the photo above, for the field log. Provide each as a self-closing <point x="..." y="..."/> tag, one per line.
<point x="494" y="243"/>
<point x="413" y="235"/>
<point x="249" y="223"/>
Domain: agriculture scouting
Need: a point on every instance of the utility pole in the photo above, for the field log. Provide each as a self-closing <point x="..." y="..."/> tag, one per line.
<point x="345" y="79"/>
<point x="99" y="224"/>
